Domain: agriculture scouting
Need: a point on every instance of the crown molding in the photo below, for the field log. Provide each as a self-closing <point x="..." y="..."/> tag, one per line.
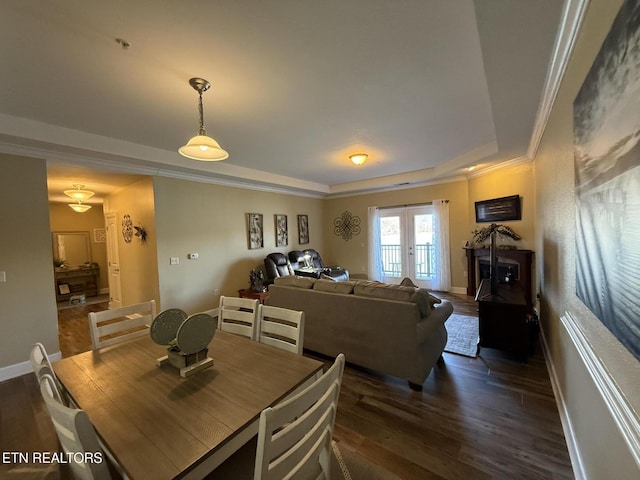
<point x="570" y="24"/>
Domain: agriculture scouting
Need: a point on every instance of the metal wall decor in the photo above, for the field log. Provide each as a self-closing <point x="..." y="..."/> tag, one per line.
<point x="127" y="228"/>
<point x="282" y="230"/>
<point x="346" y="225"/>
<point x="303" y="229"/>
<point x="255" y="230"/>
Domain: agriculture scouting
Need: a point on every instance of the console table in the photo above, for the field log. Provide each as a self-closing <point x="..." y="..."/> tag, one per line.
<point x="253" y="295"/>
<point x="504" y="318"/>
<point x="74" y="281"/>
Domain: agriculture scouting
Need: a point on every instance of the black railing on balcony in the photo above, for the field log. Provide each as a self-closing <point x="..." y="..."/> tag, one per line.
<point x="424" y="256"/>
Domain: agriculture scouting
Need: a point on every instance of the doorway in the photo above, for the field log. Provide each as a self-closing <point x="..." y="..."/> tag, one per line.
<point x="406" y="245"/>
<point x="113" y="261"/>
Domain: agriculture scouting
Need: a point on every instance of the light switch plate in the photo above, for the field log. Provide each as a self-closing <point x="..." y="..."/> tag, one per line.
<point x="3" y="277"/>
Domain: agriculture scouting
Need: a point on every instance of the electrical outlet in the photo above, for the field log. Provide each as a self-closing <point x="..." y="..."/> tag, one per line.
<point x="192" y="256"/>
<point x="174" y="261"/>
<point x="216" y="291"/>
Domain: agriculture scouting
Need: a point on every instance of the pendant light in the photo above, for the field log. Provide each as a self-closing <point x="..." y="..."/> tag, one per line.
<point x="79" y="195"/>
<point x="202" y="147"/>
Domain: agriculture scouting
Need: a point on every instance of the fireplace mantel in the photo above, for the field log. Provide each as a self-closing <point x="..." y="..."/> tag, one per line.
<point x="523" y="257"/>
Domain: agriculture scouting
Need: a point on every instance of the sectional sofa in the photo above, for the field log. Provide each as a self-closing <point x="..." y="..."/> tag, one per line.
<point x="392" y="329"/>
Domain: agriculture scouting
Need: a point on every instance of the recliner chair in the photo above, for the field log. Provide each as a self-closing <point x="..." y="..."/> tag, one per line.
<point x="277" y="265"/>
<point x="335" y="272"/>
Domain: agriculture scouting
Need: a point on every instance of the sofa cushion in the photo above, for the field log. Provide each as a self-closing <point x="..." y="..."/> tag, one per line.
<point x="295" y="281"/>
<point x="345" y="287"/>
<point x="383" y="290"/>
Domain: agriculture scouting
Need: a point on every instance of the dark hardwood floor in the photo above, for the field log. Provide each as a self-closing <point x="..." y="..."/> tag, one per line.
<point x="490" y="417"/>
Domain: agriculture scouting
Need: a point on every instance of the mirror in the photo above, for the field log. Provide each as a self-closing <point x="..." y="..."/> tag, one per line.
<point x="72" y="247"/>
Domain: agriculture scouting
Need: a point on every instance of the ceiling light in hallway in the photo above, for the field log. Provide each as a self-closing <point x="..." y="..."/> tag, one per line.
<point x="358" y="158"/>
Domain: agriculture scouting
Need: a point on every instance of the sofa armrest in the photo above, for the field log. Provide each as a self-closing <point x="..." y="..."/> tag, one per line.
<point x="439" y="314"/>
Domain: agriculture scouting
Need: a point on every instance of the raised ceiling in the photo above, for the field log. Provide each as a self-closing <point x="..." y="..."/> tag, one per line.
<point x="426" y="87"/>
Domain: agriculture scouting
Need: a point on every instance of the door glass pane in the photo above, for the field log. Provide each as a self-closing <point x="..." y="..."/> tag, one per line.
<point x="390" y="246"/>
<point x="424" y="252"/>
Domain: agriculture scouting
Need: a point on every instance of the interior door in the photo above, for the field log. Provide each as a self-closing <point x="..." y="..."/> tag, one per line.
<point x="113" y="259"/>
<point x="406" y="243"/>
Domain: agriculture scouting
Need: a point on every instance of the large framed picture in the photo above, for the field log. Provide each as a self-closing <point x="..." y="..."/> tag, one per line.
<point x="303" y="229"/>
<point x="282" y="231"/>
<point x="255" y="230"/>
<point x="499" y="209"/>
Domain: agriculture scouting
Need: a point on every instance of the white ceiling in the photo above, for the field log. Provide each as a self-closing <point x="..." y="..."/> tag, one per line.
<point x="426" y="87"/>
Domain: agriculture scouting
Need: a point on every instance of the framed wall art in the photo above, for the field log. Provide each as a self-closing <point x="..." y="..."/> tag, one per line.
<point x="281" y="229"/>
<point x="607" y="176"/>
<point x="255" y="230"/>
<point x="499" y="209"/>
<point x="303" y="229"/>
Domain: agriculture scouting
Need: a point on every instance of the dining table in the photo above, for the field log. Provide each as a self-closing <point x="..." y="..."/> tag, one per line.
<point x="158" y="425"/>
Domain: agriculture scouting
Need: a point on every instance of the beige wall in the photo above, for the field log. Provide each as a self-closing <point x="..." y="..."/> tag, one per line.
<point x="210" y="220"/>
<point x="63" y="219"/>
<point x="27" y="298"/>
<point x="138" y="261"/>
<point x="462" y="194"/>
<point x="601" y="447"/>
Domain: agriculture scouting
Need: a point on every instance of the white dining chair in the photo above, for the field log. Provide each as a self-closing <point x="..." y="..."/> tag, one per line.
<point x="42" y="366"/>
<point x="119" y="324"/>
<point x="239" y="316"/>
<point x="294" y="437"/>
<point x="87" y="460"/>
<point x="281" y="327"/>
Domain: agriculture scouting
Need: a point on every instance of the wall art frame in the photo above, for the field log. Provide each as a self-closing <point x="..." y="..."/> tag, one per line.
<point x="501" y="209"/>
<point x="607" y="181"/>
<point x="255" y="231"/>
<point x="281" y="230"/>
<point x="303" y="229"/>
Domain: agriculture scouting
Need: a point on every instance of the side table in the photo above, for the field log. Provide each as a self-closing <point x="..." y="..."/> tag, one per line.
<point x="246" y="293"/>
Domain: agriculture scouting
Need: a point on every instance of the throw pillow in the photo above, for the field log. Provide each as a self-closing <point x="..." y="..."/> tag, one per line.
<point x="407" y="282"/>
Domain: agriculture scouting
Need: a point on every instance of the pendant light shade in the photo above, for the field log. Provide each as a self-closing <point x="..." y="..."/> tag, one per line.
<point x="80" y="207"/>
<point x="201" y="147"/>
<point x="78" y="194"/>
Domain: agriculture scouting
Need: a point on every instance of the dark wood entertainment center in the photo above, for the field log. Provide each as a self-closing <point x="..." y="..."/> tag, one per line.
<point x="505" y="315"/>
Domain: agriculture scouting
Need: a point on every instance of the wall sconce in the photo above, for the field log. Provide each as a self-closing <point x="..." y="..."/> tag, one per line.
<point x="358" y="158"/>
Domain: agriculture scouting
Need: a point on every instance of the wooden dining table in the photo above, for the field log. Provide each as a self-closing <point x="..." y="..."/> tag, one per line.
<point x="158" y="425"/>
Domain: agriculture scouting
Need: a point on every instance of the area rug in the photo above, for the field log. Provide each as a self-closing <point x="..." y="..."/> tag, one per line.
<point x="463" y="335"/>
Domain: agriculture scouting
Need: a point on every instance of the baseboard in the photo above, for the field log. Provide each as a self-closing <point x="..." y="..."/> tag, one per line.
<point x="567" y="428"/>
<point x="18" y="369"/>
<point x="621" y="412"/>
<point x="460" y="290"/>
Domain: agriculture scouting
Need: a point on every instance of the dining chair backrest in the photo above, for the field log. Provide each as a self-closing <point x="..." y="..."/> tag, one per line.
<point x="281" y="327"/>
<point x="238" y="315"/>
<point x="294" y="437"/>
<point x="76" y="434"/>
<point x="42" y="366"/>
<point x="119" y="324"/>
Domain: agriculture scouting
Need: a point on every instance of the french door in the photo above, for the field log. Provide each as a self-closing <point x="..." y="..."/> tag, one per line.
<point x="406" y="245"/>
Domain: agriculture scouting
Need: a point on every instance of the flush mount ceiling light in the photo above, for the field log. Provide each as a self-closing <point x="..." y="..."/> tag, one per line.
<point x="202" y="147"/>
<point x="358" y="158"/>
<point x="79" y="195"/>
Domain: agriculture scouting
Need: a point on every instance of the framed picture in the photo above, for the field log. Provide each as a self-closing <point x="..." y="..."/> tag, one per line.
<point x="99" y="235"/>
<point x="303" y="229"/>
<point x="255" y="230"/>
<point x="282" y="231"/>
<point x="498" y="209"/>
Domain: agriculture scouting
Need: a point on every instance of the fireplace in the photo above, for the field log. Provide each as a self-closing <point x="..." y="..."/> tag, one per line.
<point x="476" y="258"/>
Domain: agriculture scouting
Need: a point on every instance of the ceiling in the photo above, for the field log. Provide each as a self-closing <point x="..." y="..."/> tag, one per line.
<point x="428" y="88"/>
